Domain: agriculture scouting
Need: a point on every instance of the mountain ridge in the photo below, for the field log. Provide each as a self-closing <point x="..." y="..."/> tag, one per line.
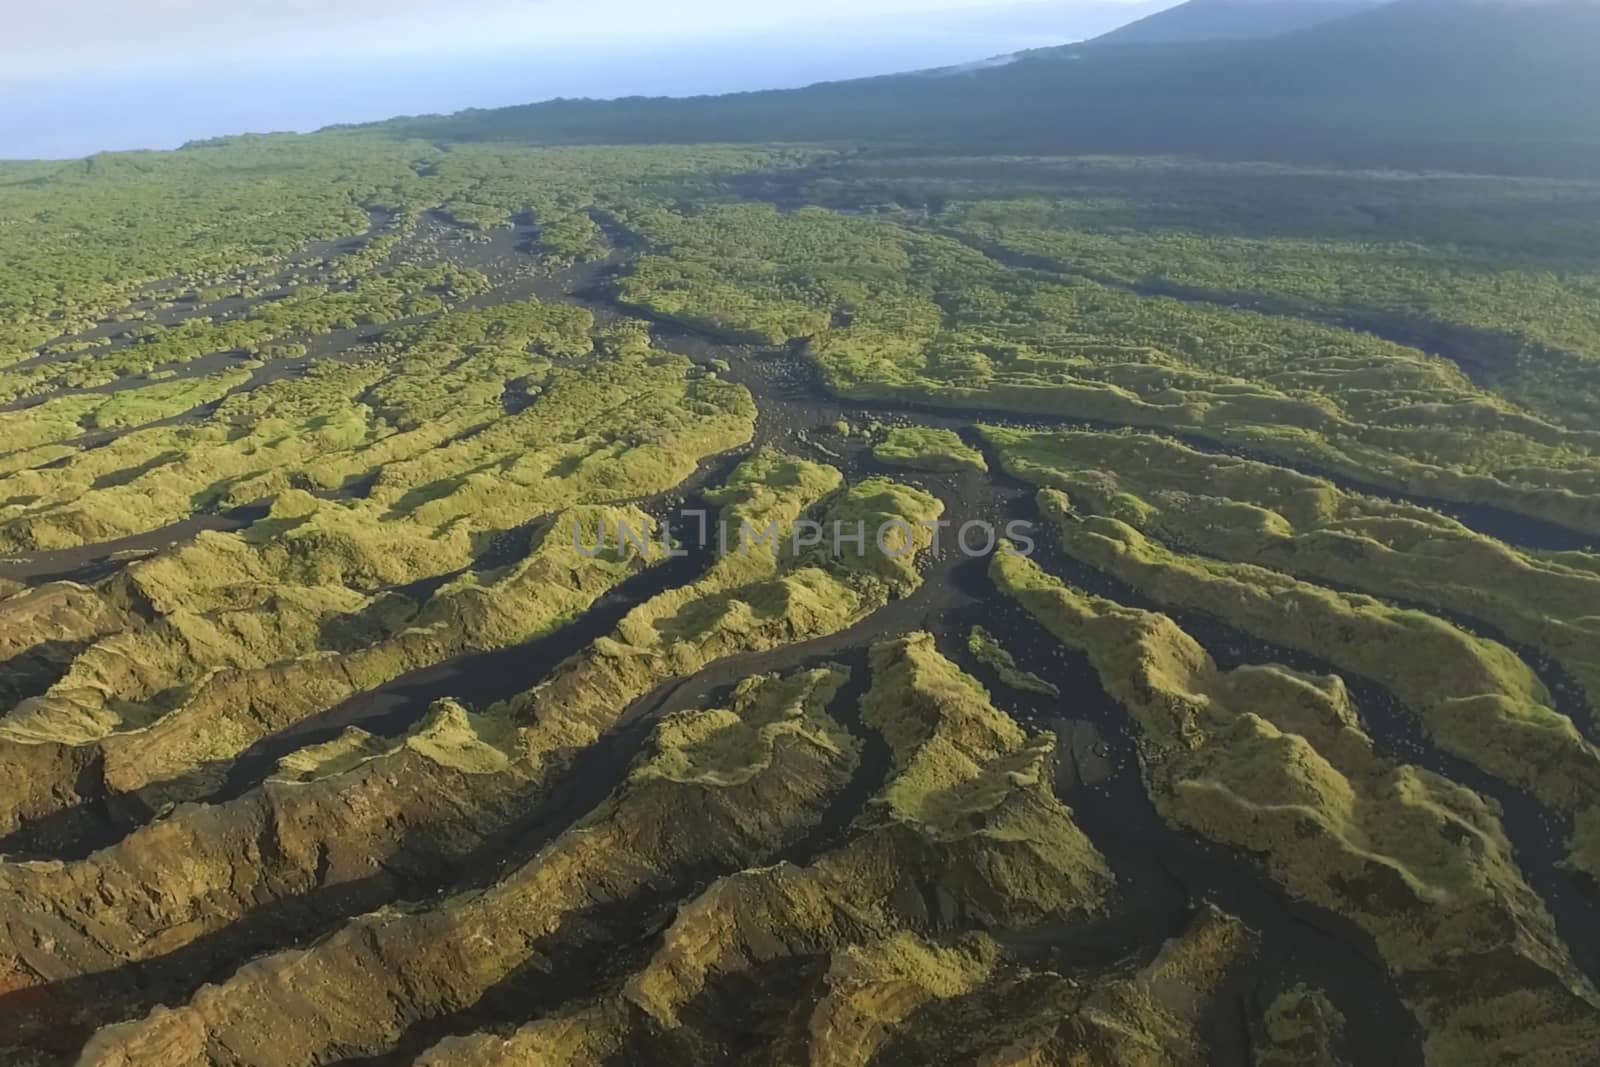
<point x="1415" y="84"/>
<point x="1216" y="20"/>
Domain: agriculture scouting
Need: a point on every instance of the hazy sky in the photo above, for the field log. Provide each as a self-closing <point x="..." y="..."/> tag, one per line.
<point x="67" y="36"/>
<point x="78" y="76"/>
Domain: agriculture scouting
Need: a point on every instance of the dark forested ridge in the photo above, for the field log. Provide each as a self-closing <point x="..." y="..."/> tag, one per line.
<point x="1487" y="86"/>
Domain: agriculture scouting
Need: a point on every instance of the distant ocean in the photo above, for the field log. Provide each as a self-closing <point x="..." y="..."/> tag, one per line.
<point x="60" y="117"/>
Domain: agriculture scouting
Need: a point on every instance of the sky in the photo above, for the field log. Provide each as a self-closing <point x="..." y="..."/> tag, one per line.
<point x="79" y="76"/>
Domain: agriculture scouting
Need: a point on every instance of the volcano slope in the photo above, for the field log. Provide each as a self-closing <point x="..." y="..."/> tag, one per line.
<point x="480" y="604"/>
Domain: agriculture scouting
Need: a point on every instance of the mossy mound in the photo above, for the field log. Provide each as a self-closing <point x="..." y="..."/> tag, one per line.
<point x="988" y="650"/>
<point x="59" y="613"/>
<point x="429" y="435"/>
<point x="913" y="314"/>
<point x="923" y="448"/>
<point x="42" y="630"/>
<point x="677" y="814"/>
<point x="728" y="746"/>
<point x="1586" y="844"/>
<point x="757" y="595"/>
<point x="351" y="747"/>
<point x="1301" y="1028"/>
<point x="230" y="640"/>
<point x="329" y="338"/>
<point x="890" y="523"/>
<point x="1149" y="1018"/>
<point x="353" y="823"/>
<point x="1257" y="513"/>
<point x="598" y="1034"/>
<point x="908" y="999"/>
<point x="1276" y="762"/>
<point x="965" y="835"/>
<point x="1475" y="696"/>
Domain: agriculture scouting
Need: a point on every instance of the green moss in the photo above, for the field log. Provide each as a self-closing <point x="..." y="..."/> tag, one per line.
<point x="588" y="1034"/>
<point x="349" y="749"/>
<point x="750" y="600"/>
<point x="135" y="407"/>
<point x="614" y="429"/>
<point x="1585" y="843"/>
<point x="891" y="524"/>
<point x="399" y="471"/>
<point x="293" y="505"/>
<point x="1148" y="1016"/>
<point x="926" y="449"/>
<point x="966" y="818"/>
<point x="1302" y="1028"/>
<point x="1474" y="696"/>
<point x="452" y="737"/>
<point x="1436" y="292"/>
<point x="252" y="634"/>
<point x="943" y="971"/>
<point x="939" y="725"/>
<point x="892" y="312"/>
<point x="1256" y="513"/>
<point x="726" y="746"/>
<point x="960" y="764"/>
<point x="53" y="421"/>
<point x="988" y="650"/>
<point x="677" y="814"/>
<point x="1277" y="763"/>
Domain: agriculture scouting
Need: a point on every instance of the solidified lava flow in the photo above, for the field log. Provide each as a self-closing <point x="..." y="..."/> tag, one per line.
<point x="426" y="636"/>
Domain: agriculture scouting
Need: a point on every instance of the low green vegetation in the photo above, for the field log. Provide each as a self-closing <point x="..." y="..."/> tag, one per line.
<point x="275" y="330"/>
<point x="894" y="311"/>
<point x="136" y="407"/>
<point x="1302" y="1028"/>
<point x="756" y="596"/>
<point x="362" y="817"/>
<point x="1248" y="512"/>
<point x="243" y="642"/>
<point x="92" y="239"/>
<point x="966" y="803"/>
<point x="1277" y="763"/>
<point x="689" y="804"/>
<point x="1475" y="697"/>
<point x="1523" y="321"/>
<point x="987" y="649"/>
<point x="321" y="427"/>
<point x="729" y="746"/>
<point x="27" y="434"/>
<point x="429" y="432"/>
<point x="925" y="449"/>
<point x="240" y="635"/>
